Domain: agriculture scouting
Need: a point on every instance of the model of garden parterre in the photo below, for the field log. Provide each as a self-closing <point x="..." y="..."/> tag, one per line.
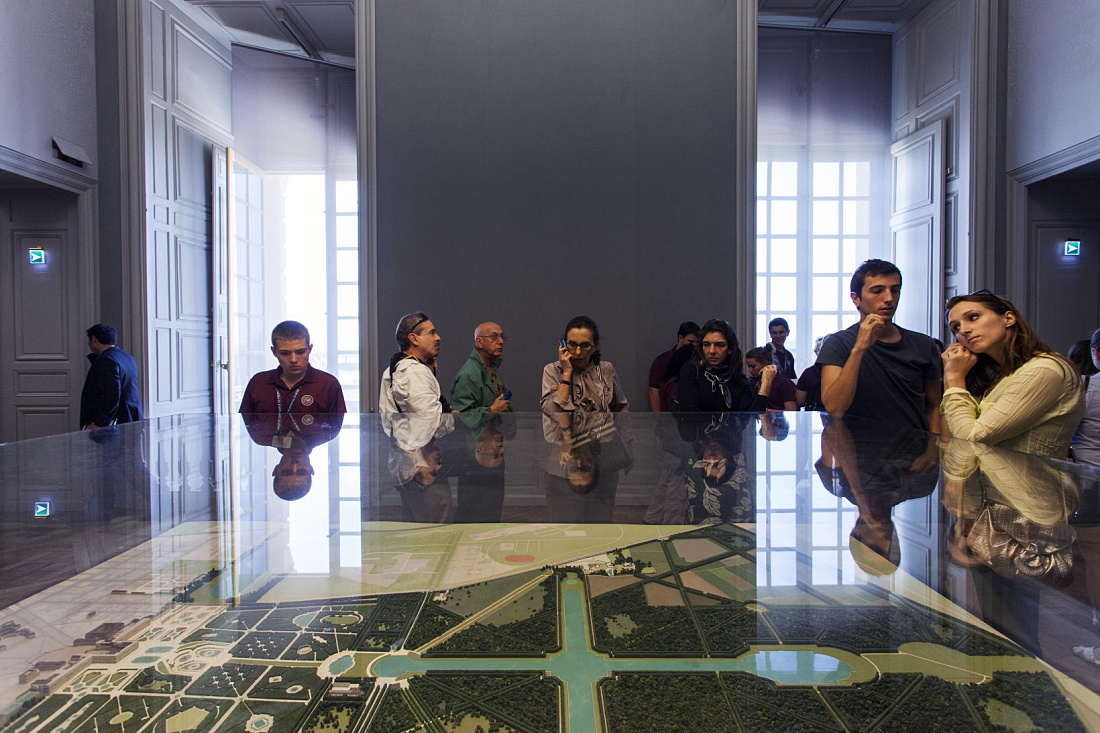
<point x="668" y="635"/>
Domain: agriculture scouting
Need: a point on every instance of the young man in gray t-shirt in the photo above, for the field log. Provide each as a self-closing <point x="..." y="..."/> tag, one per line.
<point x="875" y="369"/>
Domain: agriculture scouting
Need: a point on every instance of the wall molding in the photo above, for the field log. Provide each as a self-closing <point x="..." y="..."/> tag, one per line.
<point x="367" y="143"/>
<point x="43" y="172"/>
<point x="1064" y="160"/>
<point x="989" y="249"/>
<point x="744" y="163"/>
<point x="132" y="151"/>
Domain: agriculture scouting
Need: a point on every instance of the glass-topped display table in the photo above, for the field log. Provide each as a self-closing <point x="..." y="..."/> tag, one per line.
<point x="595" y="573"/>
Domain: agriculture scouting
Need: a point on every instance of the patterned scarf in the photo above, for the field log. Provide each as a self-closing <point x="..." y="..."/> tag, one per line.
<point x="719" y="378"/>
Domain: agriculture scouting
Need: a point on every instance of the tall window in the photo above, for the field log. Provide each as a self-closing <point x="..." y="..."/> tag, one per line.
<point x="824" y="131"/>
<point x="814" y="226"/>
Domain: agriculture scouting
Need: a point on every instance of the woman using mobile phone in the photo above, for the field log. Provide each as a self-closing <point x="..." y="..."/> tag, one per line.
<point x="580" y="379"/>
<point x="1003" y="384"/>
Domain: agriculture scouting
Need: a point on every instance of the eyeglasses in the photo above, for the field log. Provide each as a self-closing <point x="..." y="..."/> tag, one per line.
<point x="502" y="337"/>
<point x="574" y="346"/>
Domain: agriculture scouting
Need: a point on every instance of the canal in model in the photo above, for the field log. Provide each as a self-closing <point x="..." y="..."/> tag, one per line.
<point x="579" y="667"/>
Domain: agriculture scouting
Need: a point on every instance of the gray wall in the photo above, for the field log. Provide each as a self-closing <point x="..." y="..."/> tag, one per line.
<point x="1053" y="77"/>
<point x="541" y="160"/>
<point x="47" y="77"/>
<point x="1053" y="74"/>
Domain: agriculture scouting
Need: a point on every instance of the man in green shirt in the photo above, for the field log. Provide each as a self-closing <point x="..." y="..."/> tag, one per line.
<point x="478" y="388"/>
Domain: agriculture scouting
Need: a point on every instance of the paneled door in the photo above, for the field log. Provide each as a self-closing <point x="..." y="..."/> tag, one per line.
<point x="916" y="227"/>
<point x="42" y="319"/>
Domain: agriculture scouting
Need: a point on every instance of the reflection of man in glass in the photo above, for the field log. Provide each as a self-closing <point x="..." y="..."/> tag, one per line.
<point x="294" y="439"/>
<point x="489" y="449"/>
<point x="876" y="466"/>
<point x="293" y="476"/>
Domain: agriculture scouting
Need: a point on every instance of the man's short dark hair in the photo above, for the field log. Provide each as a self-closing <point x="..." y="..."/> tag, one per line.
<point x="289" y="331"/>
<point x="872" y="268"/>
<point x="779" y="322"/>
<point x="688" y="328"/>
<point x="104" y="334"/>
<point x="407" y="325"/>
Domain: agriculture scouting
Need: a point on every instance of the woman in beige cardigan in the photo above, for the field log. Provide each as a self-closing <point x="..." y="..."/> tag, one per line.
<point x="1004" y="385"/>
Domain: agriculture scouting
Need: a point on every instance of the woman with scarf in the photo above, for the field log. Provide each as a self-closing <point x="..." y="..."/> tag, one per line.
<point x="714" y="380"/>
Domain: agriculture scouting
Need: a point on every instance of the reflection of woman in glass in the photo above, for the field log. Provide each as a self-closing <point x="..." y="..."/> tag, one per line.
<point x="1004" y="385"/>
<point x="1010" y="514"/>
<point x="719" y="487"/>
<point x="715" y="381"/>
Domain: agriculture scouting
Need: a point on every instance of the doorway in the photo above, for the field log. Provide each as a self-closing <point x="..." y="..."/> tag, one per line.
<point x="43" y="314"/>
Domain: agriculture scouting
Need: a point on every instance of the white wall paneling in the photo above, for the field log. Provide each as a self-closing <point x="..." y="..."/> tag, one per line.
<point x="932" y="77"/>
<point x="187" y="100"/>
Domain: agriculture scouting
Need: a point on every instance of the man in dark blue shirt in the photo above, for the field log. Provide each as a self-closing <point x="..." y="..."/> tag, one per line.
<point x="110" y="393"/>
<point x="875" y="369"/>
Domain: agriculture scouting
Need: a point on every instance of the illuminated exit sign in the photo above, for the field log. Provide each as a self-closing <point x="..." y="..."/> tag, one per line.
<point x="1073" y="247"/>
<point x="42" y="509"/>
<point x="37" y="255"/>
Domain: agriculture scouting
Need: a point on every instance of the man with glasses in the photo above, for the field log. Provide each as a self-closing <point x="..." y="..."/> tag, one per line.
<point x="478" y="389"/>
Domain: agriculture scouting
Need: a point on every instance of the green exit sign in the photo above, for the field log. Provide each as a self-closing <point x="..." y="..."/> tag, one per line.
<point x="37" y="255"/>
<point x="1073" y="247"/>
<point x="42" y="509"/>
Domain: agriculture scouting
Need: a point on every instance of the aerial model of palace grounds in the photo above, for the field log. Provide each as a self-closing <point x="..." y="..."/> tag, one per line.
<point x="653" y="628"/>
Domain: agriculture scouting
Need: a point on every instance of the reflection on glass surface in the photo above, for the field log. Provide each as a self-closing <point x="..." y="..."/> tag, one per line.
<point x="492" y="571"/>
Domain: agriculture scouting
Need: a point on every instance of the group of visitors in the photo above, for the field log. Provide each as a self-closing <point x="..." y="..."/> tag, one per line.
<point x="998" y="383"/>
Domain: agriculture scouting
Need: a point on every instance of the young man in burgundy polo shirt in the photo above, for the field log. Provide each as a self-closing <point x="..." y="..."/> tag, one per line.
<point x="295" y="389"/>
<point x="688" y="333"/>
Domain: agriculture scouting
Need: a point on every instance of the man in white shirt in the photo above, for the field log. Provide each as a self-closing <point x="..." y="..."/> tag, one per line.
<point x="409" y="384"/>
<point x="413" y="410"/>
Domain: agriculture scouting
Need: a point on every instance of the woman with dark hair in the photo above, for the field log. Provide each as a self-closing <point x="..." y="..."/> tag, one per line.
<point x="1081" y="356"/>
<point x="1003" y="384"/>
<point x="586" y="415"/>
<point x="1086" y="441"/>
<point x="579" y="379"/>
<point x="714" y="380"/>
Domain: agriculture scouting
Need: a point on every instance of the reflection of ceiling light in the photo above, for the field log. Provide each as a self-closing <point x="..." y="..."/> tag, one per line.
<point x="288" y="23"/>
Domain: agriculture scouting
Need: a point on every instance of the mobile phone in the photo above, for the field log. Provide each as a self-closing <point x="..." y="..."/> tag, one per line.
<point x="561" y="343"/>
<point x="507" y="394"/>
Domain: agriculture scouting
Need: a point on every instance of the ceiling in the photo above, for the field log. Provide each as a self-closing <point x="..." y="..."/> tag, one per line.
<point x="325" y="29"/>
<point x="870" y="16"/>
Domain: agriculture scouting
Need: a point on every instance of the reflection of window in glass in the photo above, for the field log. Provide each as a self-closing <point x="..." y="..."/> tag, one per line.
<point x="802" y="530"/>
